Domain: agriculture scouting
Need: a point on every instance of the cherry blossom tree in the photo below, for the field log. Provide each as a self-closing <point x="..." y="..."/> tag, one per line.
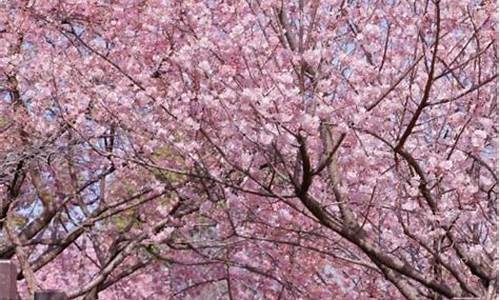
<point x="254" y="149"/>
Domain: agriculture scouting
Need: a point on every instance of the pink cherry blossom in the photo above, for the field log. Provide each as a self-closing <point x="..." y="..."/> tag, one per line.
<point x="250" y="149"/>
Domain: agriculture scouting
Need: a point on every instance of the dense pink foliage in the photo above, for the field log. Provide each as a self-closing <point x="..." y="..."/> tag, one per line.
<point x="168" y="149"/>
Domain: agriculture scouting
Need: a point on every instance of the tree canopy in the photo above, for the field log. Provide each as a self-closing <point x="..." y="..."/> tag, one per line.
<point x="257" y="149"/>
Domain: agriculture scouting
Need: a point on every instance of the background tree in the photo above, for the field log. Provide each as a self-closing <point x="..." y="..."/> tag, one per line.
<point x="250" y="149"/>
